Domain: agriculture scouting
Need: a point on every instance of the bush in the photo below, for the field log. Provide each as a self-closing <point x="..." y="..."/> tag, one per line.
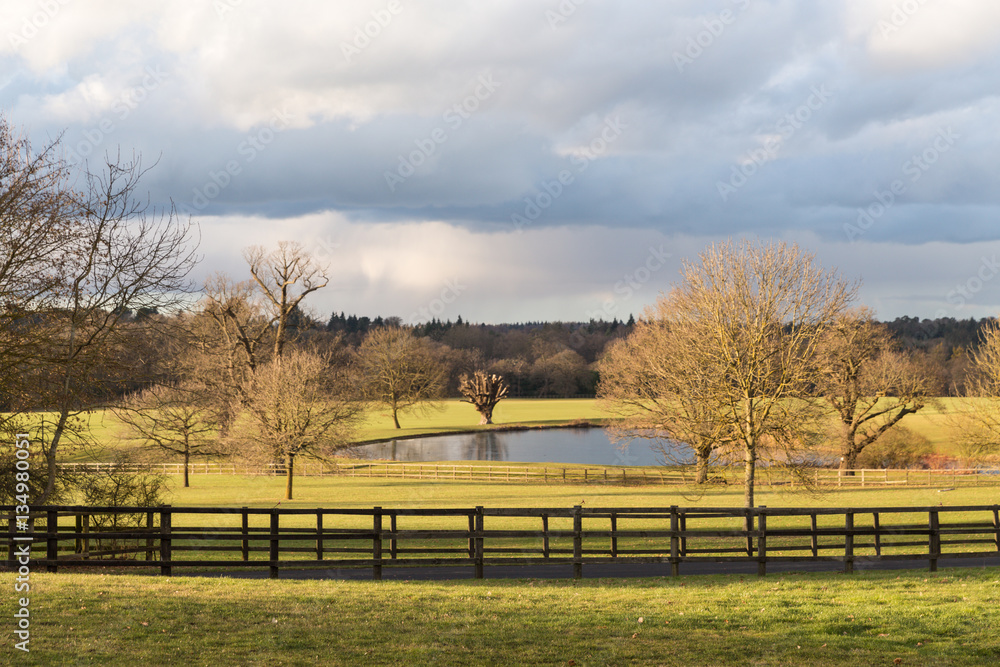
<point x="122" y="484"/>
<point x="898" y="447"/>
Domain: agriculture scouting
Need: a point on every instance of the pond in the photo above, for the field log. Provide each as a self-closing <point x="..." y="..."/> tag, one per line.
<point x="591" y="446"/>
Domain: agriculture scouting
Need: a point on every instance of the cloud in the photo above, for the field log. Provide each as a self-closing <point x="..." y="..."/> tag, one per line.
<point x="728" y="117"/>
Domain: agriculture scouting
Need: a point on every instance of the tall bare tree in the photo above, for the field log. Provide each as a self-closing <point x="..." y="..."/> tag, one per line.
<point x="662" y="393"/>
<point x="483" y="392"/>
<point x="751" y="315"/>
<point x="38" y="217"/>
<point x="121" y="255"/>
<point x="400" y="370"/>
<point x="869" y="384"/>
<point x="285" y="276"/>
<point x="300" y="404"/>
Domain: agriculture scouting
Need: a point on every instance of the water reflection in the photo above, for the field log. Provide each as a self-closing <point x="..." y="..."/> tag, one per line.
<point x="574" y="445"/>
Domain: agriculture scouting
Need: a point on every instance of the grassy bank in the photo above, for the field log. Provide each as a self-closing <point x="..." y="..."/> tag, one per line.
<point x="868" y="618"/>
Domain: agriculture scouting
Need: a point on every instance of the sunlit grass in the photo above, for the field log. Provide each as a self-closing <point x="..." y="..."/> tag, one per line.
<point x="869" y="618"/>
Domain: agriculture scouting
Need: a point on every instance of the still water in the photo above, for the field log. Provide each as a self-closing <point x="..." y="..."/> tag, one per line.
<point x="564" y="445"/>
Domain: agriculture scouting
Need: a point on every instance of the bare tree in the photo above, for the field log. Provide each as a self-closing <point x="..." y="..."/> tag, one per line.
<point x="121" y="255"/>
<point x="661" y="392"/>
<point x="483" y="392"/>
<point x="38" y="215"/>
<point x="751" y="315"/>
<point x="869" y="384"/>
<point x="977" y="420"/>
<point x="400" y="370"/>
<point x="285" y="276"/>
<point x="299" y="404"/>
<point x="174" y="418"/>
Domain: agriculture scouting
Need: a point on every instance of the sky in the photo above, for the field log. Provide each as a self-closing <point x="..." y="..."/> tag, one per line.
<point x="540" y="160"/>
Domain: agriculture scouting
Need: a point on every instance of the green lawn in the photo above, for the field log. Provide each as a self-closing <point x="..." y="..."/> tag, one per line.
<point x="869" y="618"/>
<point x="328" y="491"/>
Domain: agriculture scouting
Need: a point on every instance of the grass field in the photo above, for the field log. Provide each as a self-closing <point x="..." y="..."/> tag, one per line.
<point x="869" y="618"/>
<point x="454" y="416"/>
<point x="266" y="491"/>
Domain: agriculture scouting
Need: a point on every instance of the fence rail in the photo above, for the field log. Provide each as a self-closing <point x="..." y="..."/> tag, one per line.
<point x="862" y="478"/>
<point x="172" y="538"/>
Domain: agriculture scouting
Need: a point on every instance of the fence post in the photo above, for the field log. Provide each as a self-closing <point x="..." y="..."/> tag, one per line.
<point x="748" y="529"/>
<point x="614" y="535"/>
<point x="849" y="542"/>
<point x="472" y="538"/>
<point x="52" y="540"/>
<point x="762" y="541"/>
<point x="996" y="524"/>
<point x="675" y="561"/>
<point x="377" y="544"/>
<point x="165" y="568"/>
<point x="684" y="539"/>
<point x="246" y="534"/>
<point x="78" y="543"/>
<point x="578" y="541"/>
<point x="935" y="540"/>
<point x="392" y="529"/>
<point x="878" y="536"/>
<point x="86" y="536"/>
<point x="814" y="536"/>
<point x="150" y="523"/>
<point x="545" y="536"/>
<point x="273" y="552"/>
<point x="480" y="527"/>
<point x="319" y="533"/>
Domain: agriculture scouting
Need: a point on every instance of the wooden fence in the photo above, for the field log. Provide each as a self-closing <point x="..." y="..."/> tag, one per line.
<point x="203" y="538"/>
<point x="831" y="477"/>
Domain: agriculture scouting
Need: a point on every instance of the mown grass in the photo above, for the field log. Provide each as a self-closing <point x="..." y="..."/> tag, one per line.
<point x="454" y="416"/>
<point x="869" y="618"/>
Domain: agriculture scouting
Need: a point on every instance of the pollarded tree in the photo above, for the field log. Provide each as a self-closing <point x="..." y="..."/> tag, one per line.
<point x="298" y="404"/>
<point x="660" y="392"/>
<point x="400" y="370"/>
<point x="752" y="315"/>
<point x="483" y="392"/>
<point x="869" y="384"/>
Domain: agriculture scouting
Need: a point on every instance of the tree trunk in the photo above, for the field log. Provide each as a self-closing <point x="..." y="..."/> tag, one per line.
<point x="848" y="462"/>
<point x="701" y="471"/>
<point x="487" y="413"/>
<point x="395" y="419"/>
<point x="289" y="470"/>
<point x="50" y="456"/>
<point x="187" y="460"/>
<point x="750" y="468"/>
